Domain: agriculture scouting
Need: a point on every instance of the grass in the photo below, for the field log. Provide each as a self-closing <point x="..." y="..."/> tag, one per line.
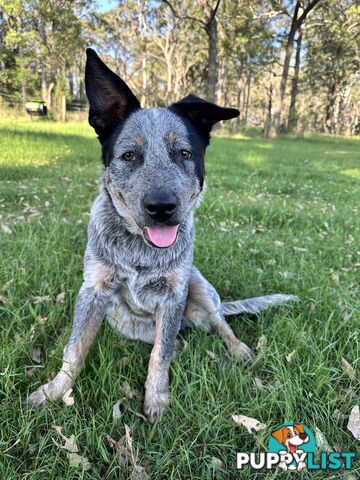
<point x="278" y="216"/>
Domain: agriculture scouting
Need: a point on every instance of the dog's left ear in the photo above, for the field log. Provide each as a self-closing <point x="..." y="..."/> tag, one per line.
<point x="203" y="114"/>
<point x="299" y="427"/>
<point x="111" y="100"/>
<point x="279" y="435"/>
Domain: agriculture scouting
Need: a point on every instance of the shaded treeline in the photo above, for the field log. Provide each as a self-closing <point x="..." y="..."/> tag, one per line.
<point x="287" y="65"/>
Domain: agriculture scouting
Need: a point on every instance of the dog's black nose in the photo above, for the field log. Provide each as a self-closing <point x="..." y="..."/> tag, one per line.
<point x="160" y="205"/>
<point x="302" y="435"/>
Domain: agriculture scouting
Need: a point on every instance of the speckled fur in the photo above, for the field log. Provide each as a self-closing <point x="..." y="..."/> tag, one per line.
<point x="145" y="292"/>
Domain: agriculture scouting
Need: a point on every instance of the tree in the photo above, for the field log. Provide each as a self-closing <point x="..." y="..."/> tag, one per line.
<point x="298" y="17"/>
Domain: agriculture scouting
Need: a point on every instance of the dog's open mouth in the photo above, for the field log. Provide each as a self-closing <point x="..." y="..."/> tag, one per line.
<point x="292" y="448"/>
<point x="162" y="236"/>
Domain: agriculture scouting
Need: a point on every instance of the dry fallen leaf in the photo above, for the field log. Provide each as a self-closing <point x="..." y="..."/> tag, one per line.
<point x="67" y="398"/>
<point x="249" y="423"/>
<point x="349" y="369"/>
<point x="216" y="463"/>
<point x="131" y="392"/>
<point x="258" y="383"/>
<point x="36" y="355"/>
<point x="120" y="448"/>
<point x="60" y="297"/>
<point x="5" y="229"/>
<point x="77" y="461"/>
<point x="354" y="422"/>
<point x="30" y="372"/>
<point x="261" y="344"/>
<point x="321" y="441"/>
<point x="212" y="355"/>
<point x="289" y="356"/>
<point x="117" y="413"/>
<point x="41" y="319"/>
<point x="138" y="473"/>
<point x="70" y="443"/>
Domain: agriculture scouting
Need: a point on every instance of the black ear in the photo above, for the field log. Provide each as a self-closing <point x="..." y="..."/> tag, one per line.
<point x="203" y="114"/>
<point x="111" y="100"/>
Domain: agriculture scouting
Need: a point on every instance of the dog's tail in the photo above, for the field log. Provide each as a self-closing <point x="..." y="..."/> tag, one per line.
<point x="256" y="304"/>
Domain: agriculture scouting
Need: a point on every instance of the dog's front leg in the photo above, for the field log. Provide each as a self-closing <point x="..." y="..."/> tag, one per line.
<point x="89" y="312"/>
<point x="157" y="397"/>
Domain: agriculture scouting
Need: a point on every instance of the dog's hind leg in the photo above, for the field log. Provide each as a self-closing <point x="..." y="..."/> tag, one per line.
<point x="89" y="311"/>
<point x="204" y="310"/>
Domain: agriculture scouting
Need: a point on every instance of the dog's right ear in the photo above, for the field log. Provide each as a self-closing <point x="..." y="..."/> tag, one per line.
<point x="110" y="99"/>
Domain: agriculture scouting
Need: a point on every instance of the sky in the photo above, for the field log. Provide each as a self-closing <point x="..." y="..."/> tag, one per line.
<point x="104" y="5"/>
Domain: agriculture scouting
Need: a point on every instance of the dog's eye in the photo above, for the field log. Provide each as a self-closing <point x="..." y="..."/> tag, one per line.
<point x="128" y="156"/>
<point x="289" y="434"/>
<point x="185" y="154"/>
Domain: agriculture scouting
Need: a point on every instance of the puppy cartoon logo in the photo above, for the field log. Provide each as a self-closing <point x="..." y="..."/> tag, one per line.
<point x="297" y="439"/>
<point x="292" y="447"/>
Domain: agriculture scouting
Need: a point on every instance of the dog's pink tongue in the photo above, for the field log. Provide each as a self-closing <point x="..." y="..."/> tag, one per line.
<point x="163" y="236"/>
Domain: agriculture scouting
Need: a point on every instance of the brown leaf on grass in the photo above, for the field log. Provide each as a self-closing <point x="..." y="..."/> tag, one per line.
<point x="30" y="372"/>
<point x="321" y="441"/>
<point x="249" y="423"/>
<point x="6" y="229"/>
<point x="138" y="473"/>
<point x="289" y="356"/>
<point x="41" y="299"/>
<point x="41" y="319"/>
<point x="131" y="392"/>
<point x="121" y="451"/>
<point x="259" y="383"/>
<point x="70" y="443"/>
<point x="67" y="398"/>
<point x="349" y="369"/>
<point x="354" y="422"/>
<point x="216" y="463"/>
<point x="138" y="414"/>
<point x="129" y="443"/>
<point x="117" y="413"/>
<point x="36" y="355"/>
<point x="60" y="297"/>
<point x="212" y="355"/>
<point x="77" y="461"/>
<point x="261" y="344"/>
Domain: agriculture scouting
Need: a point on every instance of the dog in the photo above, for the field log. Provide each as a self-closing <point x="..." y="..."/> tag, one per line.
<point x="138" y="263"/>
<point x="291" y="437"/>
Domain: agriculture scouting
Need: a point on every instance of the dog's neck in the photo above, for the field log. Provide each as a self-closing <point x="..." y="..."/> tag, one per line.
<point x="109" y="238"/>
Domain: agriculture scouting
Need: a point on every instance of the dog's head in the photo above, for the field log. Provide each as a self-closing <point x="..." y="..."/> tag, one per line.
<point x="154" y="158"/>
<point x="291" y="436"/>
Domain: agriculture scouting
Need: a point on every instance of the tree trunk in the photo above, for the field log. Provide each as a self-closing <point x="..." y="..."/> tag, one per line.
<point x="285" y="72"/>
<point x="292" y="120"/>
<point x="330" y="107"/>
<point x="247" y="90"/>
<point x="268" y="117"/>
<point x="295" y="25"/>
<point x="211" y="81"/>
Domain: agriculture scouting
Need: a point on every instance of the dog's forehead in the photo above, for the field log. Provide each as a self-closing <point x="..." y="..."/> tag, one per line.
<point x="153" y="125"/>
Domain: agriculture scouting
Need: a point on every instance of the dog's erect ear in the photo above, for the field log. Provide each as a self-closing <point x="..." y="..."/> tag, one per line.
<point x="111" y="100"/>
<point x="203" y="114"/>
<point x="279" y="435"/>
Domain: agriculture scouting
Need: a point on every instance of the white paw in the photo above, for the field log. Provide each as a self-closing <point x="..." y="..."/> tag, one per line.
<point x="37" y="399"/>
<point x="155" y="405"/>
<point x="242" y="352"/>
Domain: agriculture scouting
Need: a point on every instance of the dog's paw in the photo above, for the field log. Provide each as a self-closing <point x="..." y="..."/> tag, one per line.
<point x="241" y="351"/>
<point x="155" y="405"/>
<point x="37" y="399"/>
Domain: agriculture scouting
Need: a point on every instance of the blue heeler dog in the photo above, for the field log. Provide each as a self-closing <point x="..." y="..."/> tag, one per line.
<point x="138" y="266"/>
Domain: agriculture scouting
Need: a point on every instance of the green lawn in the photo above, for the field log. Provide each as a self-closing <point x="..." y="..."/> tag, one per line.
<point x="278" y="216"/>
